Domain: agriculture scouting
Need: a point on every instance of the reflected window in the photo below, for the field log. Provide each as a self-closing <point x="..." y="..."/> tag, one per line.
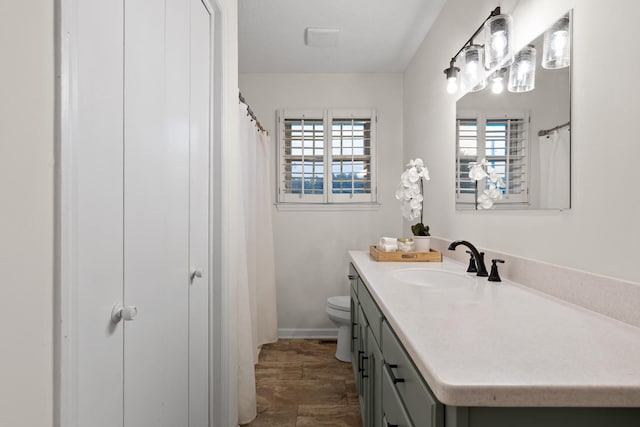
<point x="503" y="140"/>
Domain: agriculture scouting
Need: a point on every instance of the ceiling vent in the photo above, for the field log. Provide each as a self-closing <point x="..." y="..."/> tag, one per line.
<point x="321" y="37"/>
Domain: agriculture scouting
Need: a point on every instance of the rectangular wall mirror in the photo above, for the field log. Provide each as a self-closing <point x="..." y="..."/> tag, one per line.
<point x="525" y="136"/>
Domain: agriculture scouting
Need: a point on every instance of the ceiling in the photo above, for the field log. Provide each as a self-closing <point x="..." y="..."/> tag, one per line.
<point x="375" y="35"/>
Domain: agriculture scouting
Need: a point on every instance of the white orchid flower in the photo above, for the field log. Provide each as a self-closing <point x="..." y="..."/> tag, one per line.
<point x="424" y="173"/>
<point x="415" y="163"/>
<point x="494" y="193"/>
<point x="477" y="172"/>
<point x="409" y="192"/>
<point x="484" y="201"/>
<point x="413" y="175"/>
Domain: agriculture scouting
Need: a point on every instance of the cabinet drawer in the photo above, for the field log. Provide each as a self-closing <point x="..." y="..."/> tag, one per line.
<point x="422" y="406"/>
<point x="393" y="412"/>
<point x="353" y="278"/>
<point x="370" y="310"/>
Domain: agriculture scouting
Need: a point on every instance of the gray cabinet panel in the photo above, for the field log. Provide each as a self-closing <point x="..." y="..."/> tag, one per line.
<point x="422" y="406"/>
<point x="374" y="317"/>
<point x="393" y="412"/>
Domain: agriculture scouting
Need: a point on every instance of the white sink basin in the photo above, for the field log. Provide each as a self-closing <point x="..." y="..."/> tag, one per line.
<point x="433" y="278"/>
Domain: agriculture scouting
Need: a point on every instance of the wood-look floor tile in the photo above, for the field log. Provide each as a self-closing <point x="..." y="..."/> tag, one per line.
<point x="276" y="393"/>
<point x="298" y="351"/>
<point x="329" y="415"/>
<point x="332" y="370"/>
<point x="352" y="393"/>
<point x="279" y="370"/>
<point x="301" y="383"/>
<point x="283" y="416"/>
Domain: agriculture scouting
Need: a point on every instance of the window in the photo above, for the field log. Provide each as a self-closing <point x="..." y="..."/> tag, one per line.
<point x="326" y="157"/>
<point x="503" y="140"/>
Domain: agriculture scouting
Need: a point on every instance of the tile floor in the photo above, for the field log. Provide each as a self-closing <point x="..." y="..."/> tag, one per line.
<point x="301" y="383"/>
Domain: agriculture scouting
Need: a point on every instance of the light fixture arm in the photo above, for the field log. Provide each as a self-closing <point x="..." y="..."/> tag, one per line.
<point x="469" y="42"/>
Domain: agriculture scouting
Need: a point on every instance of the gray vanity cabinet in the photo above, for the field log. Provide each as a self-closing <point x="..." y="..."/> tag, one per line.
<point x="366" y="356"/>
<point x="393" y="392"/>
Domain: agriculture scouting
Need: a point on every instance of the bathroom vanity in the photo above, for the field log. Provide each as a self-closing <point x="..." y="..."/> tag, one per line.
<point x="433" y="346"/>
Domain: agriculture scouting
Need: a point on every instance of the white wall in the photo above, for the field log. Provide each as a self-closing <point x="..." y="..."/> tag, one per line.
<point x="600" y="233"/>
<point x="311" y="247"/>
<point x="26" y="213"/>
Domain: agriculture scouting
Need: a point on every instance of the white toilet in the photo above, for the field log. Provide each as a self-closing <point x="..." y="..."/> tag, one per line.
<point x="339" y="311"/>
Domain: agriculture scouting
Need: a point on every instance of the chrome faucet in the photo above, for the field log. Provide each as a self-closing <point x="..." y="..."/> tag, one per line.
<point x="478" y="256"/>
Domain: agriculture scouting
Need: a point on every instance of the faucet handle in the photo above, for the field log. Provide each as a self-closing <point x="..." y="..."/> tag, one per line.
<point x="494" y="276"/>
<point x="472" y="264"/>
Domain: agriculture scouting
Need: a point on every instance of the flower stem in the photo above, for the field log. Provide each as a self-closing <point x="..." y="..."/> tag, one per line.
<point x="422" y="202"/>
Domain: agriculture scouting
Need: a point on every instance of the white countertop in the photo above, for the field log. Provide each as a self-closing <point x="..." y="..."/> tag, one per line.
<point x="503" y="344"/>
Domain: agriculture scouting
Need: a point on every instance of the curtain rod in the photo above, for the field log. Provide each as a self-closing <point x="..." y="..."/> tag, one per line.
<point x="548" y="131"/>
<point x="251" y="113"/>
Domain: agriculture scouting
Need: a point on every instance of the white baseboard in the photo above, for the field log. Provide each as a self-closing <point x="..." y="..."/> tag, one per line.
<point x="308" y="333"/>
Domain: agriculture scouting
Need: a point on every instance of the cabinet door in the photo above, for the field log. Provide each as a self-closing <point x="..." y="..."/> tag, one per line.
<point x="393" y="412"/>
<point x="355" y="339"/>
<point x="362" y="379"/>
<point x="375" y="364"/>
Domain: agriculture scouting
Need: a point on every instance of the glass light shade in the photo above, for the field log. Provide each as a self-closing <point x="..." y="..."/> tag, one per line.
<point x="556" y="50"/>
<point x="522" y="75"/>
<point x="473" y="76"/>
<point x="452" y="78"/>
<point x="452" y="85"/>
<point x="498" y="41"/>
<point x="497" y="81"/>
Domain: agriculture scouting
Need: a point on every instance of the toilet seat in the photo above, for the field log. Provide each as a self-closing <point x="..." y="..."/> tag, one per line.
<point x="341" y="303"/>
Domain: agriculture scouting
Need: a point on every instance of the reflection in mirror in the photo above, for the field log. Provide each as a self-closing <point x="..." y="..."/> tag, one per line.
<point x="524" y="136"/>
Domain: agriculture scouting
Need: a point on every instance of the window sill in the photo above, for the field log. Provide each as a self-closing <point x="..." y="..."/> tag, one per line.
<point x="338" y="207"/>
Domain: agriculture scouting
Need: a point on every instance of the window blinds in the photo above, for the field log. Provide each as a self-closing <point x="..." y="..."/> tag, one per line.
<point x="503" y="142"/>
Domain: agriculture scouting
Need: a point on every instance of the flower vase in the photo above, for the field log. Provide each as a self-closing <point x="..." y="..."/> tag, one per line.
<point x="423" y="243"/>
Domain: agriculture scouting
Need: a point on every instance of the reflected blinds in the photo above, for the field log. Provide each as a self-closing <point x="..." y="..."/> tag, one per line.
<point x="503" y="142"/>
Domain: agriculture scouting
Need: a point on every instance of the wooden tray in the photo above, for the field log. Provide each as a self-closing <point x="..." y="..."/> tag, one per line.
<point x="432" y="256"/>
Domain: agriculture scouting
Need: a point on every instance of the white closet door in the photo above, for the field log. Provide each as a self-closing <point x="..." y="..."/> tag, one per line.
<point x="156" y="206"/>
<point x="200" y="136"/>
<point x="92" y="368"/>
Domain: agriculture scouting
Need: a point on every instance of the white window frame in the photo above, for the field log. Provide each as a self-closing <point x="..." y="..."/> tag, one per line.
<point x="327" y="199"/>
<point x="481" y="118"/>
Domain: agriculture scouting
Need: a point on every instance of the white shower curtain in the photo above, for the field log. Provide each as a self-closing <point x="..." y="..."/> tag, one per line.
<point x="256" y="290"/>
<point x="555" y="169"/>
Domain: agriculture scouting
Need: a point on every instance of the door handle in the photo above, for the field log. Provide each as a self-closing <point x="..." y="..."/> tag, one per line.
<point x="395" y="379"/>
<point x="197" y="272"/>
<point x="120" y="312"/>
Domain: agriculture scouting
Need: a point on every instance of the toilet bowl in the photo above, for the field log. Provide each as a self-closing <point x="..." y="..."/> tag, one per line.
<point x="339" y="311"/>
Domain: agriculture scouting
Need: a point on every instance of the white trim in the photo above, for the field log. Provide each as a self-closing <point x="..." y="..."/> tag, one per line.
<point x="293" y="333"/>
<point x="332" y="207"/>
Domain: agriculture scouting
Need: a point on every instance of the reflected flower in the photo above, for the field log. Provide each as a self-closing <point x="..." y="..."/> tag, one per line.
<point x="482" y="170"/>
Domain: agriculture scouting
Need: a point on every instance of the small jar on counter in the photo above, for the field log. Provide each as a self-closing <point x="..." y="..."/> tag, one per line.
<point x="406" y="244"/>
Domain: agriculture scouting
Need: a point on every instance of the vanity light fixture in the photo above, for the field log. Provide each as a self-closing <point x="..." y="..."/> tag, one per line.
<point x="497" y="32"/>
<point x="556" y="48"/>
<point x="497" y="81"/>
<point x="452" y="77"/>
<point x="522" y="74"/>
<point x="499" y="46"/>
<point x="473" y="74"/>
